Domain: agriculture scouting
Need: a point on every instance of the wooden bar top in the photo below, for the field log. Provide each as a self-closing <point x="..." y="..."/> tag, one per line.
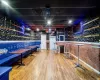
<point x="32" y="47"/>
<point x="20" y="51"/>
<point x="61" y="43"/>
<point x="64" y="42"/>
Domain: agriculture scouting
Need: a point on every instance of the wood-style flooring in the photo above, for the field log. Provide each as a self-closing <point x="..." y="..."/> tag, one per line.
<point x="47" y="65"/>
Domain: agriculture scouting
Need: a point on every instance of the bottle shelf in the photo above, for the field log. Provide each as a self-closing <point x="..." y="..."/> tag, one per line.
<point x="16" y="26"/>
<point x="90" y="21"/>
<point x="10" y="29"/>
<point x="91" y="32"/>
<point x="93" y="35"/>
<point x="92" y="28"/>
<point x="12" y="34"/>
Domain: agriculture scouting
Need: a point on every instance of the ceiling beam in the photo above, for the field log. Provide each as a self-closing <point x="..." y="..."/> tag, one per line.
<point x="72" y="7"/>
<point x="40" y="20"/>
<point x="50" y="15"/>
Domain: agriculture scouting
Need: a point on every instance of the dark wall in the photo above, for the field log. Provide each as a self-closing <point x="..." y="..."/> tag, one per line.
<point x="68" y="32"/>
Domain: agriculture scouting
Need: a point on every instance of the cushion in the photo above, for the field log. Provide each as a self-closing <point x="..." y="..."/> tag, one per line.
<point x="6" y="57"/>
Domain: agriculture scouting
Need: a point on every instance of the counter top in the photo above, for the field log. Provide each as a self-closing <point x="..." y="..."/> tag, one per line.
<point x="92" y="43"/>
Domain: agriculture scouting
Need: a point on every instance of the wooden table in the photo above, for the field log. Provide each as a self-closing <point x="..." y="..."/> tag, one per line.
<point x="20" y="51"/>
<point x="32" y="47"/>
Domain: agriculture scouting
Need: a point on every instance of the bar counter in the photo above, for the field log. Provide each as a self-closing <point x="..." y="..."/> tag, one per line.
<point x="89" y="53"/>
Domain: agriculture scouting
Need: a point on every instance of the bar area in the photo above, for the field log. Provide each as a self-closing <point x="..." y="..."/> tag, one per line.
<point x="89" y="53"/>
<point x="89" y="38"/>
<point x="49" y="40"/>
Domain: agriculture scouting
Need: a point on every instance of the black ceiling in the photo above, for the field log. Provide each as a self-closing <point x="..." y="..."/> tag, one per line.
<point x="31" y="11"/>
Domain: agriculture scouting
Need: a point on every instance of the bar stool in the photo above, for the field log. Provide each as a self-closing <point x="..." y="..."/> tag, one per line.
<point x="78" y="54"/>
<point x="67" y="53"/>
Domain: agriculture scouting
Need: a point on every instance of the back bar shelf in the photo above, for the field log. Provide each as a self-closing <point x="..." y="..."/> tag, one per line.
<point x="91" y="31"/>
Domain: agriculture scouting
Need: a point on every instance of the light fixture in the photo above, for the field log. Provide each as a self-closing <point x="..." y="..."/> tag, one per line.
<point x="37" y="29"/>
<point x="4" y="2"/>
<point x="28" y="29"/>
<point x="49" y="30"/>
<point x="49" y="22"/>
<point x="70" y="22"/>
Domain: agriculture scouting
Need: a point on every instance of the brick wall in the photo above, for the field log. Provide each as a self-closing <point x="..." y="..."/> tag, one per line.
<point x="88" y="54"/>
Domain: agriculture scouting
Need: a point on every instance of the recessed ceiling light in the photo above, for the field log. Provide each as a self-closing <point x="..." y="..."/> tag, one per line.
<point x="49" y="30"/>
<point x="49" y="22"/>
<point x="28" y="29"/>
<point x="70" y="22"/>
<point x="37" y="29"/>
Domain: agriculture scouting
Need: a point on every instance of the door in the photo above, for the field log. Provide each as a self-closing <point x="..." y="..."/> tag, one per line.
<point x="52" y="42"/>
<point x="61" y="38"/>
<point x="43" y="41"/>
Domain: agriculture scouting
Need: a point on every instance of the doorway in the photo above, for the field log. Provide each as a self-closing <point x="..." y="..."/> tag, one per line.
<point x="52" y="42"/>
<point x="61" y="38"/>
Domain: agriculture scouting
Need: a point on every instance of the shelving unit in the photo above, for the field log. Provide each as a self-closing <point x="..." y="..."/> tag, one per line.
<point x="92" y="28"/>
<point x="91" y="31"/>
<point x="68" y="34"/>
<point x="11" y="31"/>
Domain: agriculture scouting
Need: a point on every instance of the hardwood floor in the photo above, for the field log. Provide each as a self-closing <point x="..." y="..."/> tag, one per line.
<point x="46" y="65"/>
